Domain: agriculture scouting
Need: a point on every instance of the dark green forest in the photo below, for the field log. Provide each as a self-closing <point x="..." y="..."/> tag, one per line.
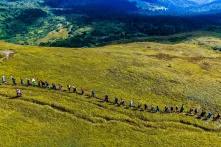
<point x="87" y="26"/>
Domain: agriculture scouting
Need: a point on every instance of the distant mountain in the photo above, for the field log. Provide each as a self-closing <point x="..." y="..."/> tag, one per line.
<point x="177" y="7"/>
<point x="113" y="5"/>
<point x="144" y="7"/>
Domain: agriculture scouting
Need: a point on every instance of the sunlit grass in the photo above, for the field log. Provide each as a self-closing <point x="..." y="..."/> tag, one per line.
<point x="152" y="73"/>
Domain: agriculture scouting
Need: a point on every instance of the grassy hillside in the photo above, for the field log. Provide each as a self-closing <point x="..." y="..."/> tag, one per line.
<point x="156" y="74"/>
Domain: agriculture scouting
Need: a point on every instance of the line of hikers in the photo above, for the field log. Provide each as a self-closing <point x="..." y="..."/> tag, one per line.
<point x="200" y="114"/>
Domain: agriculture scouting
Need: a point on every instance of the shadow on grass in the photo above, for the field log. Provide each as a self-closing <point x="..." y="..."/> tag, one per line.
<point x="15" y="97"/>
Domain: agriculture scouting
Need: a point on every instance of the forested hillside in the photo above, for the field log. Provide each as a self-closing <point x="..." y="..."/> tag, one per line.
<point x="68" y="24"/>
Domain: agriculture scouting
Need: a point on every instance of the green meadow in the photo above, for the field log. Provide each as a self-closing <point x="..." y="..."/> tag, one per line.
<point x="158" y="74"/>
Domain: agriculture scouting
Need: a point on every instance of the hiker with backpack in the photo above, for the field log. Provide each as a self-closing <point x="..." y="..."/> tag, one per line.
<point x="145" y="106"/>
<point x="4" y="81"/>
<point x="139" y="106"/>
<point x="93" y="94"/>
<point x="13" y="80"/>
<point x="157" y="109"/>
<point x="18" y="92"/>
<point x="39" y="84"/>
<point x="33" y="81"/>
<point x="152" y="109"/>
<point x="69" y="88"/>
<point x="82" y="91"/>
<point x="209" y="115"/>
<point x="202" y="114"/>
<point x="116" y="101"/>
<point x="171" y="109"/>
<point x="74" y="89"/>
<point x="122" y="102"/>
<point x="195" y="111"/>
<point x="47" y="84"/>
<point x="28" y="82"/>
<point x="131" y="104"/>
<point x="42" y="84"/>
<point x="22" y="82"/>
<point x="190" y="111"/>
<point x="60" y="87"/>
<point x="182" y="109"/>
<point x="53" y="86"/>
<point x="177" y="109"/>
<point x="166" y="109"/>
<point x="106" y="99"/>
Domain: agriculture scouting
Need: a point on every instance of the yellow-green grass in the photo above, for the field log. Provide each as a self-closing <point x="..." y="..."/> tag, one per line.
<point x="34" y="120"/>
<point x="152" y="73"/>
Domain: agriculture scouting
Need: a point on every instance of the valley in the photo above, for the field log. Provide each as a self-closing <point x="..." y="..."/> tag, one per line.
<point x="36" y="23"/>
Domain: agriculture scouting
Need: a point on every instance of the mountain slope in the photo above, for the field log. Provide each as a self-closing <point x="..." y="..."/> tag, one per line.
<point x="149" y="73"/>
<point x="172" y="7"/>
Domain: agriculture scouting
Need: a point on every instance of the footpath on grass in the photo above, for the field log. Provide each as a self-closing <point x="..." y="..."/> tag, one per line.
<point x="194" y="112"/>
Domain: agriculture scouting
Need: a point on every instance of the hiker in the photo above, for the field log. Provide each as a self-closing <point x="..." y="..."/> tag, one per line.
<point x="152" y="109"/>
<point x="74" y="89"/>
<point x="33" y="81"/>
<point x="182" y="109"/>
<point x="209" y="115"/>
<point x="106" y="98"/>
<point x="4" y="79"/>
<point x="39" y="83"/>
<point x="69" y="88"/>
<point x="42" y="84"/>
<point x="60" y="87"/>
<point x="46" y="84"/>
<point x="13" y="80"/>
<point x="217" y="117"/>
<point x="131" y="103"/>
<point x="195" y="111"/>
<point x="82" y="91"/>
<point x="122" y="102"/>
<point x="18" y="92"/>
<point x="166" y="109"/>
<point x="139" y="106"/>
<point x="28" y="82"/>
<point x="177" y="109"/>
<point x="145" y="106"/>
<point x="93" y="94"/>
<point x="203" y="113"/>
<point x="190" y="111"/>
<point x="171" y="109"/>
<point x="22" y="82"/>
<point x="54" y="86"/>
<point x="157" y="109"/>
<point x="116" y="101"/>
